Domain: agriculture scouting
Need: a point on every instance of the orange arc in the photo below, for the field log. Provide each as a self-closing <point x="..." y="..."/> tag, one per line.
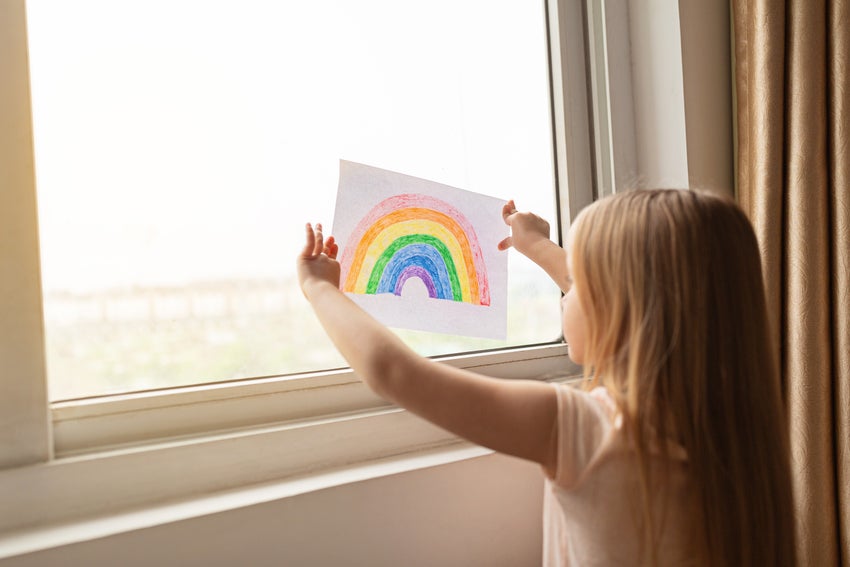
<point x="414" y="213"/>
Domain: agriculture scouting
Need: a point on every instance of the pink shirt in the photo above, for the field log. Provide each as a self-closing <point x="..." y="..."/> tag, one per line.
<point x="592" y="507"/>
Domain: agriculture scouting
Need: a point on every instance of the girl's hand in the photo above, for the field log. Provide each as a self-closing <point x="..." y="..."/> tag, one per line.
<point x="530" y="236"/>
<point x="527" y="230"/>
<point x="317" y="261"/>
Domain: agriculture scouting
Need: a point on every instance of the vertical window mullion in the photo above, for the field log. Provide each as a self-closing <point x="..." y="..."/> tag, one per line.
<point x="24" y="425"/>
<point x="570" y="117"/>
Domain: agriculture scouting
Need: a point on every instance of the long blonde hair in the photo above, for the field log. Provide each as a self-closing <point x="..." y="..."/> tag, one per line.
<point x="671" y="285"/>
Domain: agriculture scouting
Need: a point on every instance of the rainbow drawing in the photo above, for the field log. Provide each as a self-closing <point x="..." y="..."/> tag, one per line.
<point x="415" y="236"/>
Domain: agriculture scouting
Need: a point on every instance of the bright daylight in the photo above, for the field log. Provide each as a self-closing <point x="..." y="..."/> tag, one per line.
<point x="180" y="147"/>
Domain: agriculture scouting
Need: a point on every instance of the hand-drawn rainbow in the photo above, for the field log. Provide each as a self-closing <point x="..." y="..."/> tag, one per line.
<point x="415" y="236"/>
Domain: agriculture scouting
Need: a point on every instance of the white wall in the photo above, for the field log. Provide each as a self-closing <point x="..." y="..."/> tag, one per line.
<point x="671" y="90"/>
<point x="482" y="511"/>
<point x="707" y="74"/>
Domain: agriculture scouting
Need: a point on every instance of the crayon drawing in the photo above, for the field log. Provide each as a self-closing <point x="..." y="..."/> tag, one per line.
<point x="421" y="255"/>
<point x="414" y="235"/>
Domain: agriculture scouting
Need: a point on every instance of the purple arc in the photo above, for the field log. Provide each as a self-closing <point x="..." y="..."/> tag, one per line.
<point x="416" y="272"/>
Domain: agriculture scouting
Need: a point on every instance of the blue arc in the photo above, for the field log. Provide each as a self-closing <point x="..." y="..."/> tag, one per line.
<point x="424" y="257"/>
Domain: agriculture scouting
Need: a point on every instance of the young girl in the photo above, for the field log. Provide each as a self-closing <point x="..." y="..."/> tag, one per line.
<point x="676" y="453"/>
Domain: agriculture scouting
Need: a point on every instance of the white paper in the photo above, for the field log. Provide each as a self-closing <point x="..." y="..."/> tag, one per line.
<point x="421" y="255"/>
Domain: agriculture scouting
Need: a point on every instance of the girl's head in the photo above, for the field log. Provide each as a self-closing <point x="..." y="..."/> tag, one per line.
<point x="675" y="326"/>
<point x="666" y="279"/>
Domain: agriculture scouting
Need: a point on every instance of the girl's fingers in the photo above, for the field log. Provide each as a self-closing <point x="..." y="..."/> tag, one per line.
<point x="315" y="243"/>
<point x="320" y="240"/>
<point x="310" y="244"/>
<point x="508" y="210"/>
<point x="331" y="248"/>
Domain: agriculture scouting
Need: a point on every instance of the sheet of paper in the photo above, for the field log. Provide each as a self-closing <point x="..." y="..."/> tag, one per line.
<point x="421" y="255"/>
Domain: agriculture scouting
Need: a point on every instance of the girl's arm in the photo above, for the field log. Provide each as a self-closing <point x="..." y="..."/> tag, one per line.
<point x="513" y="417"/>
<point x="530" y="236"/>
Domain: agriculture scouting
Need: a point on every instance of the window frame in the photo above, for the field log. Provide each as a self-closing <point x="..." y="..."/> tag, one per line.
<point x="81" y="453"/>
<point x="25" y="432"/>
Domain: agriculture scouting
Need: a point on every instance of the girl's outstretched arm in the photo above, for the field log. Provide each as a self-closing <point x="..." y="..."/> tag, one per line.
<point x="530" y="236"/>
<point x="513" y="417"/>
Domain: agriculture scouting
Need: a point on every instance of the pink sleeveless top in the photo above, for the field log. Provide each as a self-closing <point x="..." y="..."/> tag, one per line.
<point x="593" y="512"/>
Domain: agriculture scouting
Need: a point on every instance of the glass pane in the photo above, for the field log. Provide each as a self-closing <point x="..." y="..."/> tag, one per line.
<point x="182" y="144"/>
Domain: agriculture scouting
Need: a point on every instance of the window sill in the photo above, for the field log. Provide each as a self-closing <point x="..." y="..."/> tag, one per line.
<point x="121" y="486"/>
<point x="42" y="537"/>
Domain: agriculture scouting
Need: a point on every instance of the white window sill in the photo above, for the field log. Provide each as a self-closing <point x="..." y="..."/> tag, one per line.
<point x="129" y="471"/>
<point x="40" y="538"/>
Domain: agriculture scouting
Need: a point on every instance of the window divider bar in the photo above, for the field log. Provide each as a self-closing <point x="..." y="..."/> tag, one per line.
<point x="25" y="434"/>
<point x="88" y="427"/>
<point x="569" y="107"/>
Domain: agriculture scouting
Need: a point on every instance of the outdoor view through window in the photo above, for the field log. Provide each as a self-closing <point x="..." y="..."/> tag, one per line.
<point x="181" y="145"/>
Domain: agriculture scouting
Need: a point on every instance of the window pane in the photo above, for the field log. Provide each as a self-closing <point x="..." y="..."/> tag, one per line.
<point x="182" y="144"/>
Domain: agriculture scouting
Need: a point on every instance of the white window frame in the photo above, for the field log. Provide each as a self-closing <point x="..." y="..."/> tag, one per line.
<point x="71" y="461"/>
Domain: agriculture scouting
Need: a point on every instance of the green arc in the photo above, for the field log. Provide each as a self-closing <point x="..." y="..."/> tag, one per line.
<point x="409" y="240"/>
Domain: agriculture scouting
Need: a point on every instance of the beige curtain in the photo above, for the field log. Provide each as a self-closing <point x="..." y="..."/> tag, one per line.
<point x="793" y="164"/>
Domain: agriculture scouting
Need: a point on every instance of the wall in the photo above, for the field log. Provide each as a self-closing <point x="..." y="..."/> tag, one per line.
<point x="482" y="511"/>
<point x="707" y="73"/>
<point x="671" y="91"/>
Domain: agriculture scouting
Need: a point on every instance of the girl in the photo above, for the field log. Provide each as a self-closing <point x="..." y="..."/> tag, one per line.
<point x="676" y="452"/>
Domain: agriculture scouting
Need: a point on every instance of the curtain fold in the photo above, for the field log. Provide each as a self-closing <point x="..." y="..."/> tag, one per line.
<point x="793" y="163"/>
<point x="839" y="203"/>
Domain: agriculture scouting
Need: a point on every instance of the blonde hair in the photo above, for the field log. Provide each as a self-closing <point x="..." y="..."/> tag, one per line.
<point x="670" y="282"/>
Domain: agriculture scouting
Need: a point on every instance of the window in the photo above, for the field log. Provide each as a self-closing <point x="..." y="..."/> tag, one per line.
<point x="180" y="146"/>
<point x="500" y="113"/>
<point x="610" y="73"/>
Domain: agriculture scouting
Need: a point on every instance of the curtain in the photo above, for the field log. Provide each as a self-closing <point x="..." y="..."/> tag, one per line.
<point x="793" y="180"/>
